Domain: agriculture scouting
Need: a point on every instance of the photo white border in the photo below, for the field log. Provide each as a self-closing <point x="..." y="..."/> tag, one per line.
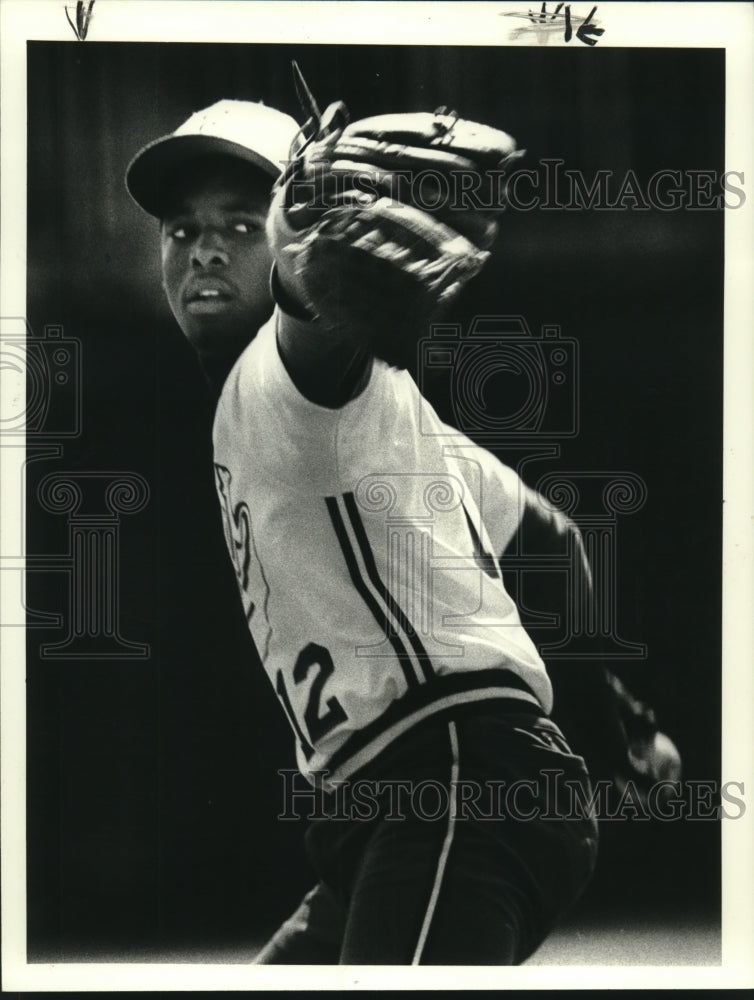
<point x="727" y="25"/>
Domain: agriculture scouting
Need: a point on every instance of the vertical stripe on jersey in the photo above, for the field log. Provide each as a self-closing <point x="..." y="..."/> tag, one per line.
<point x="392" y="604"/>
<point x="359" y="583"/>
<point x="482" y="558"/>
<point x="443" y="859"/>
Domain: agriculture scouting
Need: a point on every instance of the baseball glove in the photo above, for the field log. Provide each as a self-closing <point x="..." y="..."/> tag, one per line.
<point x="377" y="225"/>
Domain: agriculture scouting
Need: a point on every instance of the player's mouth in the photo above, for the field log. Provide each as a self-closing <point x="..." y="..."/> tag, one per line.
<point x="209" y="297"/>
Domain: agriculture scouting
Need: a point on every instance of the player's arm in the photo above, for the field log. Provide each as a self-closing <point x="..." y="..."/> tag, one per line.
<point x="517" y="518"/>
<point x="543" y="529"/>
<point x="326" y="367"/>
<point x="616" y="732"/>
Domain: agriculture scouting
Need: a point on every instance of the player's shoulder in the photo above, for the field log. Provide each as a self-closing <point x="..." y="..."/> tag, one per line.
<point x="241" y="389"/>
<point x="491" y="463"/>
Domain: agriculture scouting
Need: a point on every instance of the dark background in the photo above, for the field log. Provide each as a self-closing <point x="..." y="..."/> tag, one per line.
<point x="152" y="786"/>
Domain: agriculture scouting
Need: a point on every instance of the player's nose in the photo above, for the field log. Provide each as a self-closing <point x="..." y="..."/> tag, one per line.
<point x="209" y="249"/>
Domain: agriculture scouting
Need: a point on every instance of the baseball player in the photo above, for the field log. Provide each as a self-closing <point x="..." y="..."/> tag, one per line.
<point x="451" y="823"/>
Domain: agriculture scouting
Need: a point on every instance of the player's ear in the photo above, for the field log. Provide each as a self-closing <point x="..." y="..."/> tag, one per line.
<point x="163" y="283"/>
<point x="162" y="256"/>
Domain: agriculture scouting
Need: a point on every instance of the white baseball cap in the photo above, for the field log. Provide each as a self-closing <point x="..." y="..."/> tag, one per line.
<point x="244" y="129"/>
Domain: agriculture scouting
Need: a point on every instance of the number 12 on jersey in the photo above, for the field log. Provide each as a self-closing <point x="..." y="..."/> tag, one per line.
<point x="318" y="725"/>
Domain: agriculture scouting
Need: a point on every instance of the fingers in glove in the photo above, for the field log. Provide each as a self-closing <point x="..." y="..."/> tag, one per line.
<point x="468" y="202"/>
<point x="484" y="144"/>
<point x="480" y="228"/>
<point x="303" y="215"/>
<point x="394" y="251"/>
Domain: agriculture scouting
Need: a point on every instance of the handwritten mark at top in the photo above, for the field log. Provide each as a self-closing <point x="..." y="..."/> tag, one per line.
<point x="83" y="17"/>
<point x="544" y="24"/>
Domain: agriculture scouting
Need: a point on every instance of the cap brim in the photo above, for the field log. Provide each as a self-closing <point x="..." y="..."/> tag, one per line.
<point x="148" y="171"/>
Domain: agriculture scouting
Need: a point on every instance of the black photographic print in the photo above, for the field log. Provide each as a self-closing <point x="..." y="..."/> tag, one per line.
<point x="235" y="665"/>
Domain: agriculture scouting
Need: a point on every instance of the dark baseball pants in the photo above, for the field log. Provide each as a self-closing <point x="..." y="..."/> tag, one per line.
<point x="483" y="837"/>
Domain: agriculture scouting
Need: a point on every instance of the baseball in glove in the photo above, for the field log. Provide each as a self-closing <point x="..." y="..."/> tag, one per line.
<point x="377" y="225"/>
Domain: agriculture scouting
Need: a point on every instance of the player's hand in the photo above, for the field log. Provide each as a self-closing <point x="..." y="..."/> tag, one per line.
<point x="353" y="250"/>
<point x="288" y="222"/>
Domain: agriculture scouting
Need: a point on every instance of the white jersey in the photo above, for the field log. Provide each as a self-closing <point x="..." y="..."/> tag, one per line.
<point x="364" y="540"/>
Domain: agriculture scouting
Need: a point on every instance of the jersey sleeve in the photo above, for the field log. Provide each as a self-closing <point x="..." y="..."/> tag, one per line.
<point x="514" y="515"/>
<point x="293" y="440"/>
<point x="497" y="491"/>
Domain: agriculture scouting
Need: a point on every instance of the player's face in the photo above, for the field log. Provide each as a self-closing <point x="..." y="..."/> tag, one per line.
<point x="215" y="258"/>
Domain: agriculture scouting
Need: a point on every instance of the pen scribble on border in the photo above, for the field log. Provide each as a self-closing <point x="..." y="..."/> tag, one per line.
<point x="83" y="17"/>
<point x="544" y="25"/>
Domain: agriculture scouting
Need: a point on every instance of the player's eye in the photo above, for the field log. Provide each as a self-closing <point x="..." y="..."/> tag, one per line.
<point x="178" y="231"/>
<point x="246" y="226"/>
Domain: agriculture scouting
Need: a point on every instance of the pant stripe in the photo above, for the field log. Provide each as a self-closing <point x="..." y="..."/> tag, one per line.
<point x="443" y="859"/>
